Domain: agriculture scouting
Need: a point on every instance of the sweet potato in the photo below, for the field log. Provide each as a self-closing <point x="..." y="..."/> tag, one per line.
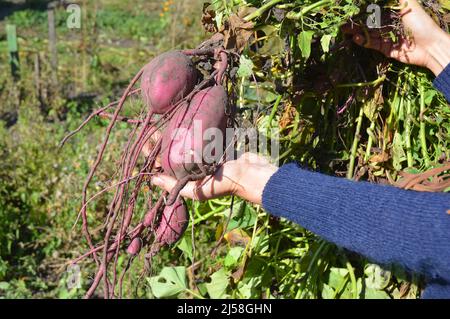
<point x="149" y="218"/>
<point x="135" y="246"/>
<point x="167" y="79"/>
<point x="185" y="141"/>
<point x="174" y="221"/>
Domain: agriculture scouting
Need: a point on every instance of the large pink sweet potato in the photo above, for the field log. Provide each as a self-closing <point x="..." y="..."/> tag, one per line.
<point x="167" y="79"/>
<point x="195" y="134"/>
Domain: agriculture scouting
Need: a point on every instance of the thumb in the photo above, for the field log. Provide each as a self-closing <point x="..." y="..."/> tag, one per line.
<point x="166" y="182"/>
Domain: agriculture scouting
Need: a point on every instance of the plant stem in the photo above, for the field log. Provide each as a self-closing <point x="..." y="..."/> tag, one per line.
<point x="372" y="83"/>
<point x="352" y="279"/>
<point x="260" y="11"/>
<point x="305" y="10"/>
<point x="351" y="165"/>
<point x="369" y="141"/>
<point x="209" y="214"/>
<point x="196" y="295"/>
<point x="423" y="141"/>
<point x="272" y="113"/>
<point x="408" y="133"/>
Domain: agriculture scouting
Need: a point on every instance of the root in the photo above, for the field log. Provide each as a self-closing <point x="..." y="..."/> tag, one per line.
<point x="127" y="191"/>
<point x="91" y="116"/>
<point x="97" y="162"/>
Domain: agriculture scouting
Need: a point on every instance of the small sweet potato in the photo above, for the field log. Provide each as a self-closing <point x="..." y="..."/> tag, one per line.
<point x="135" y="246"/>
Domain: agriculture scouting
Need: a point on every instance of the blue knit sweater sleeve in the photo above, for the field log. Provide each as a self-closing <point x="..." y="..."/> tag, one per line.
<point x="442" y="82"/>
<point x="384" y="223"/>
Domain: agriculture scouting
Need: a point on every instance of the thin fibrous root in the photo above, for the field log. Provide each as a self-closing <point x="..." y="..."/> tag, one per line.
<point x="99" y="158"/>
<point x="91" y="116"/>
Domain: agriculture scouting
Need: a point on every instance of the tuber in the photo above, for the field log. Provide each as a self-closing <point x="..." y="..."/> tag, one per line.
<point x="166" y="80"/>
<point x="186" y="141"/>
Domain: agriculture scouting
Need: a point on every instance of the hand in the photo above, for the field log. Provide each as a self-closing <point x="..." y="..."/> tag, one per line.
<point x="425" y="44"/>
<point x="245" y="177"/>
<point x="150" y="144"/>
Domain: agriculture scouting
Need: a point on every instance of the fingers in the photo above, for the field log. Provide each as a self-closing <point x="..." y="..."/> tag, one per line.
<point x="150" y="144"/>
<point x="207" y="188"/>
<point x="252" y="158"/>
<point x="167" y="183"/>
<point x="378" y="43"/>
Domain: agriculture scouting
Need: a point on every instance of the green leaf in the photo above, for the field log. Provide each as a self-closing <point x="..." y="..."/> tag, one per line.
<point x="170" y="282"/>
<point x="273" y="44"/>
<point x="245" y="216"/>
<point x="325" y="42"/>
<point x="4" y="285"/>
<point x="376" y="277"/>
<point x="304" y="42"/>
<point x="248" y="288"/>
<point x="370" y="293"/>
<point x="398" y="154"/>
<point x="233" y="256"/>
<point x="337" y="277"/>
<point x="185" y="245"/>
<point x="218" y="286"/>
<point x="245" y="67"/>
<point x="428" y="96"/>
<point x="445" y="4"/>
<point x="327" y="292"/>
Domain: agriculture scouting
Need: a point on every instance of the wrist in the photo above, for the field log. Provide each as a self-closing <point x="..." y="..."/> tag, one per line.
<point x="439" y="53"/>
<point x="253" y="181"/>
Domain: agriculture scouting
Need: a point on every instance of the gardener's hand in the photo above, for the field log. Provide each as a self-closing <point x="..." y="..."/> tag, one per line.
<point x="244" y="177"/>
<point x="150" y="144"/>
<point x="425" y="44"/>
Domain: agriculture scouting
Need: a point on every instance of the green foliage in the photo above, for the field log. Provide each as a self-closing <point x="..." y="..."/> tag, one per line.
<point x="143" y="26"/>
<point x="169" y="283"/>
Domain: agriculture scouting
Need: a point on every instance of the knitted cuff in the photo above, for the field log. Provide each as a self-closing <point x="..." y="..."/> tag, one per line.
<point x="442" y="82"/>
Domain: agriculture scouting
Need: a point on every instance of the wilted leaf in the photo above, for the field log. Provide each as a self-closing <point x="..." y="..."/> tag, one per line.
<point x="236" y="33"/>
<point x="379" y="158"/>
<point x="273" y="44"/>
<point x="209" y="19"/>
<point x="237" y="237"/>
<point x="398" y="154"/>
